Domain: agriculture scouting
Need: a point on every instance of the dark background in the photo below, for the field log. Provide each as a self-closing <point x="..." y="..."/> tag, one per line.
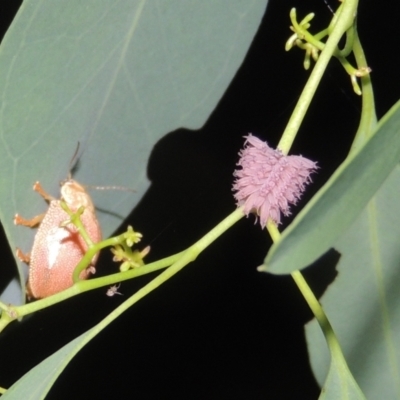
<point x="219" y="329"/>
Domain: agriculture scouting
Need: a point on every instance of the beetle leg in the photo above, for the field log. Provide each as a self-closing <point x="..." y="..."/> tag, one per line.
<point x="22" y="256"/>
<point x="28" y="291"/>
<point x="18" y="220"/>
<point x="37" y="187"/>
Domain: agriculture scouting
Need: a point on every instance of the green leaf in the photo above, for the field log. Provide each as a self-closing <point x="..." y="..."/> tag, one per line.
<point x="341" y="200"/>
<point x="340" y="383"/>
<point x="115" y="76"/>
<point x="362" y="304"/>
<point x="37" y="382"/>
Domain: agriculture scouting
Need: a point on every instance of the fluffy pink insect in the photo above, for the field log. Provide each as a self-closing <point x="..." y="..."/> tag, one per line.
<point x="269" y="181"/>
<point x="58" y="249"/>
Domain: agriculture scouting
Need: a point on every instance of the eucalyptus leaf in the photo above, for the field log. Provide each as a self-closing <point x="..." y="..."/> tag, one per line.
<point x="116" y="77"/>
<point x="37" y="382"/>
<point x="362" y="304"/>
<point x="340" y="383"/>
<point x="340" y="201"/>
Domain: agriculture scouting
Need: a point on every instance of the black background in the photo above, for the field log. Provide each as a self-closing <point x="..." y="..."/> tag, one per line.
<point x="219" y="329"/>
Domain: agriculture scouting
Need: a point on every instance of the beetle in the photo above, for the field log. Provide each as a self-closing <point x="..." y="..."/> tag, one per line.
<point x="57" y="249"/>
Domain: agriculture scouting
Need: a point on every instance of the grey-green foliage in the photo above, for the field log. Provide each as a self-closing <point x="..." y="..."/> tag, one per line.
<point x="340" y="201"/>
<point x="356" y="213"/>
<point x="363" y="302"/>
<point x="340" y="383"/>
<point x="115" y="76"/>
<point x="37" y="382"/>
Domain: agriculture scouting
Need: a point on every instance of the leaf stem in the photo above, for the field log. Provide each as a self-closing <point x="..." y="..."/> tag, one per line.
<point x="184" y="259"/>
<point x="175" y="263"/>
<point x="332" y="341"/>
<point x="319" y="313"/>
<point x="368" y="120"/>
<point x="344" y="20"/>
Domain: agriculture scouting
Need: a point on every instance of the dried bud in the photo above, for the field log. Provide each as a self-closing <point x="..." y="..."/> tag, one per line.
<point x="268" y="181"/>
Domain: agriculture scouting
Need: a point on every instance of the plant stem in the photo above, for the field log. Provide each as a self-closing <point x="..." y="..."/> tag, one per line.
<point x="185" y="258"/>
<point x="316" y="309"/>
<point x="319" y="313"/>
<point x="176" y="263"/>
<point x="368" y="120"/>
<point x="345" y="18"/>
<point x="332" y="341"/>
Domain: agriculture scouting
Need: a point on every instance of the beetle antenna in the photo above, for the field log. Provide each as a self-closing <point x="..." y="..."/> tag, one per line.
<point x="123" y="188"/>
<point x="329" y="7"/>
<point x="73" y="161"/>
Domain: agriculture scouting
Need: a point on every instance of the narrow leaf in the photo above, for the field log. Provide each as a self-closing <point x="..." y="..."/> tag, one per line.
<point x="340" y="201"/>
<point x="362" y="304"/>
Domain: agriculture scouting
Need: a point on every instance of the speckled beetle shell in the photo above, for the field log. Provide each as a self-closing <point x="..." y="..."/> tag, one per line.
<point x="56" y="249"/>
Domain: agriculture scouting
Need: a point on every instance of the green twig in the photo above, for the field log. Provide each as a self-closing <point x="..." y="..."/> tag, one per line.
<point x="368" y="120"/>
<point x="318" y="311"/>
<point x="178" y="261"/>
<point x="75" y="218"/>
<point x="344" y="20"/>
<point x="11" y="313"/>
<point x="326" y="327"/>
